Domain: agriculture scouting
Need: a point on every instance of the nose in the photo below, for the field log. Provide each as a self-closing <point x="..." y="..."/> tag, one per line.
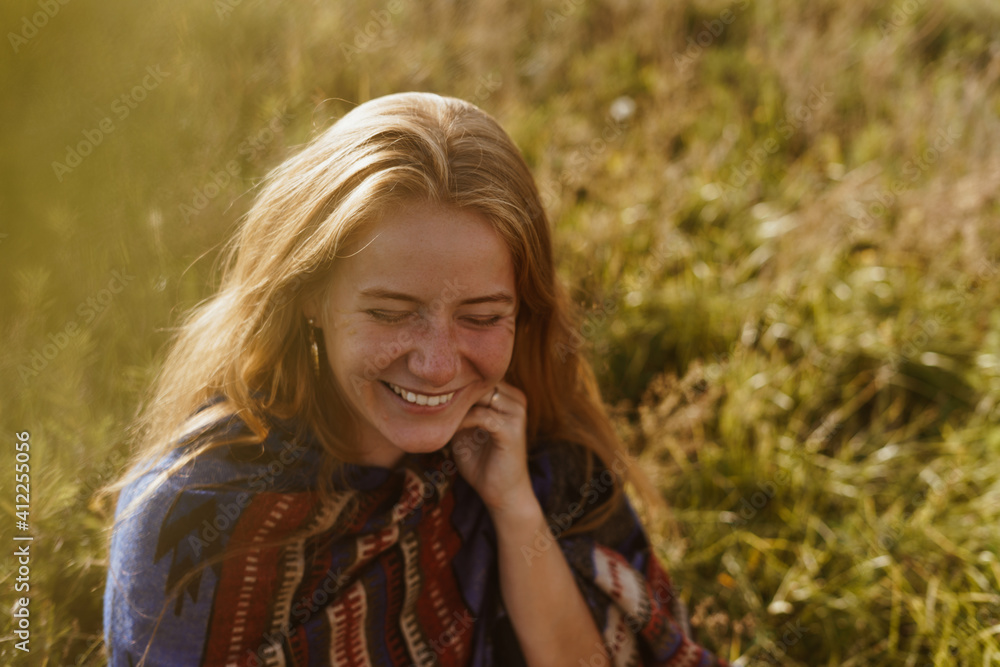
<point x="435" y="358"/>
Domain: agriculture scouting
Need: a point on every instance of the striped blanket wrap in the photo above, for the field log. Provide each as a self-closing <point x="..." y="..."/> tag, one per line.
<point x="400" y="567"/>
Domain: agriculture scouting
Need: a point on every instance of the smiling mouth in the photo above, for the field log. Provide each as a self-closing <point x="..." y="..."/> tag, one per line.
<point x="419" y="399"/>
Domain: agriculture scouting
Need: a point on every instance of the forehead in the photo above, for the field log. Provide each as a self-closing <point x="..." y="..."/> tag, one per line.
<point x="422" y="247"/>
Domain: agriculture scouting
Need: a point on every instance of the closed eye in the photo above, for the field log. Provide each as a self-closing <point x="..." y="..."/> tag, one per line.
<point x="483" y="321"/>
<point x="389" y="316"/>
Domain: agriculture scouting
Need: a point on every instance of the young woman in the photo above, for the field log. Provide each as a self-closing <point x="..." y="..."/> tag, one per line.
<point x="377" y="444"/>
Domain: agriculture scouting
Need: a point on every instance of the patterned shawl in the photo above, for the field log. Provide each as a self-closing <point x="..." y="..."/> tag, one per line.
<point x="403" y="570"/>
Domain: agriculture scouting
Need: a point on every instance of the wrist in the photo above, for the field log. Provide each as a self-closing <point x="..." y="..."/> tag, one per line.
<point x="520" y="508"/>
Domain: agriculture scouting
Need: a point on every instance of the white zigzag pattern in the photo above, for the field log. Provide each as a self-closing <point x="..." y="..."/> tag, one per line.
<point x="408" y="618"/>
<point x="349" y="613"/>
<point x="623" y="584"/>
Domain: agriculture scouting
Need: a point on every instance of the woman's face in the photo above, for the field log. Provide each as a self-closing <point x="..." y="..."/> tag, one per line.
<point x="418" y="326"/>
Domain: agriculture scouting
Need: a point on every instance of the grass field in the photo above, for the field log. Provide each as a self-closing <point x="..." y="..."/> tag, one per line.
<point x="780" y="218"/>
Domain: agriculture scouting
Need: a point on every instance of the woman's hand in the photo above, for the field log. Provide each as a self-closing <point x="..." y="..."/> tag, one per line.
<point x="549" y="615"/>
<point x="490" y="449"/>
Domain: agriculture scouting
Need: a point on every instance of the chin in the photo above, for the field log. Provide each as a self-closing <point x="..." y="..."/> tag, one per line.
<point x="425" y="443"/>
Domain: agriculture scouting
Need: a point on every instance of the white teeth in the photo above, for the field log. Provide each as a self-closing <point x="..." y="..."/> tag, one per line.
<point x="421" y="399"/>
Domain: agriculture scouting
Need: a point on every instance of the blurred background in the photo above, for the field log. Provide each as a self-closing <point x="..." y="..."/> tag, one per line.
<point x="780" y="220"/>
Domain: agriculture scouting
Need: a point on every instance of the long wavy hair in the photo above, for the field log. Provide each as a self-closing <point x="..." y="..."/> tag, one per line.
<point x="246" y="349"/>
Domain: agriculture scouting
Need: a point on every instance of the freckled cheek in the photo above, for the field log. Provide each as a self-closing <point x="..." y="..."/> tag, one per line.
<point x="491" y="352"/>
<point x="357" y="351"/>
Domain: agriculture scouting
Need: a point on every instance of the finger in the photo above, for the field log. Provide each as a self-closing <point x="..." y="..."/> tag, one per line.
<point x="512" y="394"/>
<point x="491" y="398"/>
<point x="469" y="440"/>
<point x="510" y="407"/>
<point x="484" y="400"/>
<point x="485" y="418"/>
<point x="503" y="391"/>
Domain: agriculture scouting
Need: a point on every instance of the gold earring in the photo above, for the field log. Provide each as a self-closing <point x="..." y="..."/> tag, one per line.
<point x="314" y="348"/>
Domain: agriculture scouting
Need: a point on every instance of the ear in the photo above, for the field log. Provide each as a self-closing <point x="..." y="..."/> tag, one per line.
<point x="311" y="309"/>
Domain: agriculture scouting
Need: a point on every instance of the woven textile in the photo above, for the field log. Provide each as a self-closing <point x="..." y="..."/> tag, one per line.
<point x="210" y="569"/>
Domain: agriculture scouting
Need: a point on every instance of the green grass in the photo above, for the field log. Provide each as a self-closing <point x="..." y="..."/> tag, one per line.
<point x="790" y="293"/>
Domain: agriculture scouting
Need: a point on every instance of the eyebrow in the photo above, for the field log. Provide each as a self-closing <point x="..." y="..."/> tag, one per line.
<point x="382" y="293"/>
